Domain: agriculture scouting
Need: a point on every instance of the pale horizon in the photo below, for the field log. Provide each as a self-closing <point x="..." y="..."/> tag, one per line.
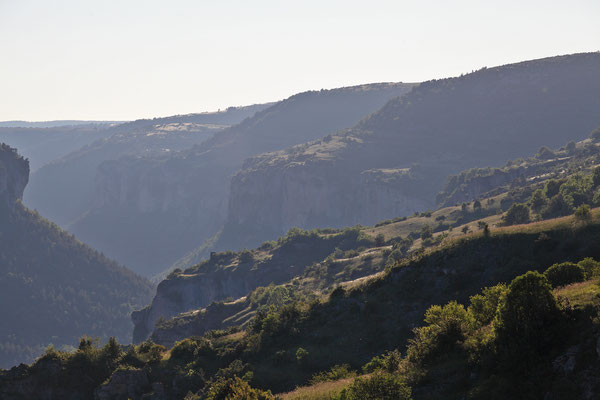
<point x="119" y="61"/>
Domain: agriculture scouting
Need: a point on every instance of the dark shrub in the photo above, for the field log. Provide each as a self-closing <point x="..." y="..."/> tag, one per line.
<point x="564" y="274"/>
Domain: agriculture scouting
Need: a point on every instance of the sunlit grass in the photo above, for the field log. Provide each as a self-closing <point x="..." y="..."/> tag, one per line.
<point x="320" y="391"/>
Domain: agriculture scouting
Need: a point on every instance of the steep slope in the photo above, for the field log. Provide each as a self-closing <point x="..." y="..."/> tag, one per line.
<point x="53" y="289"/>
<point x="171" y="204"/>
<point x="394" y="162"/>
<point x="64" y="189"/>
<point x="353" y="253"/>
<point x="285" y="348"/>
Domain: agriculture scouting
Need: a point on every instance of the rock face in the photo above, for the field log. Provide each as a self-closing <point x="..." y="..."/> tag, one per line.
<point x="63" y="189"/>
<point x="14" y="175"/>
<point x="234" y="275"/>
<point x="314" y="193"/>
<point x="439" y="128"/>
<point x="197" y="322"/>
<point x="190" y="291"/>
<point x="170" y="204"/>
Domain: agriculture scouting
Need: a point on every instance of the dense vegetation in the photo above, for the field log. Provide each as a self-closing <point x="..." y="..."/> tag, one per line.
<point x="53" y="288"/>
<point x="293" y="341"/>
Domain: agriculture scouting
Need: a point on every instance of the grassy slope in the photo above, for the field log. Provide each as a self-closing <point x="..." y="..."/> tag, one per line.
<point x="379" y="314"/>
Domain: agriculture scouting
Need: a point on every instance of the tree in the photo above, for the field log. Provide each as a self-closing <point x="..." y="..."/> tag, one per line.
<point x="577" y="190"/>
<point x="379" y="386"/>
<point x="564" y="274"/>
<point x="571" y="147"/>
<point x="583" y="213"/>
<point x="556" y="207"/>
<point x="426" y="232"/>
<point x="476" y="205"/>
<point x="379" y="240"/>
<point x="538" y="200"/>
<point x="595" y="135"/>
<point x="465" y="229"/>
<point x="590" y="266"/>
<point x="544" y="153"/>
<point x="234" y="389"/>
<point x="596" y="176"/>
<point x="445" y="328"/>
<point x="483" y="306"/>
<point x="527" y="322"/>
<point x="552" y="187"/>
<point x="517" y="214"/>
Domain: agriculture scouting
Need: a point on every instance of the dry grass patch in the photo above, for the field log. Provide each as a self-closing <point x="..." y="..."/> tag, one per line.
<point x="581" y="293"/>
<point x="320" y="391"/>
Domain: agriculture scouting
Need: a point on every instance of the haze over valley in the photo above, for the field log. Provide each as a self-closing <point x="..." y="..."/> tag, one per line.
<point x="319" y="201"/>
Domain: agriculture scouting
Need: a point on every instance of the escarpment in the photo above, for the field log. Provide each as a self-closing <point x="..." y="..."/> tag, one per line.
<point x="169" y="204"/>
<point x="14" y="175"/>
<point x="440" y="128"/>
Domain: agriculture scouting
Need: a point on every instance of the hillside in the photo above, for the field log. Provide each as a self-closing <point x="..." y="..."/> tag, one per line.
<point x="64" y="189"/>
<point x="396" y="161"/>
<point x="286" y="347"/>
<point x="209" y="295"/>
<point x="54" y="289"/>
<point x="164" y="206"/>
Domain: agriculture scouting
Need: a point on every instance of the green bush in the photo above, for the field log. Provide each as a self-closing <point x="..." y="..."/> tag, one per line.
<point x="483" y="306"/>
<point x="235" y="389"/>
<point x="389" y="362"/>
<point x="379" y="386"/>
<point x="538" y="200"/>
<point x="564" y="274"/>
<point x="336" y="373"/>
<point x="590" y="266"/>
<point x="556" y="207"/>
<point x="445" y="327"/>
<point x="426" y="232"/>
<point x="516" y="214"/>
<point x="526" y="322"/>
<point x="583" y="213"/>
<point x="379" y="240"/>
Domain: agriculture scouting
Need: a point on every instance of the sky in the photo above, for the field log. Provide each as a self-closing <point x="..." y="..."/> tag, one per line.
<point x="129" y="59"/>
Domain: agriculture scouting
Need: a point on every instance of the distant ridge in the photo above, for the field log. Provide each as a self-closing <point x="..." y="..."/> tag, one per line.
<point x="53" y="124"/>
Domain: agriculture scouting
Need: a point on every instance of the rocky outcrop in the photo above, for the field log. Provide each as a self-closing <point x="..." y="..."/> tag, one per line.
<point x="280" y="195"/>
<point x="186" y="291"/>
<point x="170" y="203"/>
<point x="233" y="275"/>
<point x="14" y="175"/>
<point x="439" y="128"/>
<point x="195" y="323"/>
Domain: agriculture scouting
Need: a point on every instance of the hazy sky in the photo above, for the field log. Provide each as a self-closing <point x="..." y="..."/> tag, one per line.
<point x="126" y="59"/>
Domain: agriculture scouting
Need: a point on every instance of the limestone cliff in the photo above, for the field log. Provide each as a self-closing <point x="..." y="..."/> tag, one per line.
<point x="14" y="175"/>
<point x="233" y="275"/>
<point x="275" y="194"/>
<point x="170" y="203"/>
<point x="439" y="128"/>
